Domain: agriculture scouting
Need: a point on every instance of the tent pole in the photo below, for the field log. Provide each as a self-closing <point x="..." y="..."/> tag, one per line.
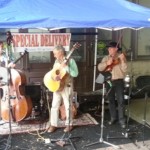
<point x="95" y="59"/>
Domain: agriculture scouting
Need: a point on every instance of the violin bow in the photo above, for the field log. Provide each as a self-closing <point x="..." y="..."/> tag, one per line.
<point x="119" y="39"/>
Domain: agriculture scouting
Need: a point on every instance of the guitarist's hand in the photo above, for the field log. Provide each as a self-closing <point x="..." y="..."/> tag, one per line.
<point x="11" y="65"/>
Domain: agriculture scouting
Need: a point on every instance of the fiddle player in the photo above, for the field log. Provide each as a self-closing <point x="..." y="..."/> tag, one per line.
<point x="63" y="94"/>
<point x="116" y="64"/>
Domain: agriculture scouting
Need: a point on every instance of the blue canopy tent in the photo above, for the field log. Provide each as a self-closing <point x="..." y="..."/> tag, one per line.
<point x="104" y="14"/>
<point x="72" y="14"/>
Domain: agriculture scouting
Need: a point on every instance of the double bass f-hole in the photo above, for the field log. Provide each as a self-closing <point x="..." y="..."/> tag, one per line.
<point x="5" y="97"/>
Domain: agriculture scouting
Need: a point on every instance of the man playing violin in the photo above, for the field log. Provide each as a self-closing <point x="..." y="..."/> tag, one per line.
<point x="116" y="64"/>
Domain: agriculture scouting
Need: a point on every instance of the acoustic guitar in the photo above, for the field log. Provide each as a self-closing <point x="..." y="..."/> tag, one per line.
<point x="54" y="79"/>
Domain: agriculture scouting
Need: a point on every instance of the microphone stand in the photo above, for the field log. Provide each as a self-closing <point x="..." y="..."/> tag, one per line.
<point x="129" y="83"/>
<point x="7" y="96"/>
<point x="101" y="139"/>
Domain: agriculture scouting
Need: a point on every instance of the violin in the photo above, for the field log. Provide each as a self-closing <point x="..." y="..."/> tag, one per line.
<point x="115" y="62"/>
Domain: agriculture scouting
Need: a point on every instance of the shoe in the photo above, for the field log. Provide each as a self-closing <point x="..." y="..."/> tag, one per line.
<point x="51" y="129"/>
<point x="68" y="129"/>
<point x="112" y="121"/>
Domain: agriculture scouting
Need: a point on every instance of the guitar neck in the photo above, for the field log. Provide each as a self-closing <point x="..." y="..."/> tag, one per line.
<point x="70" y="53"/>
<point x="17" y="59"/>
<point x="76" y="45"/>
<point x="25" y="52"/>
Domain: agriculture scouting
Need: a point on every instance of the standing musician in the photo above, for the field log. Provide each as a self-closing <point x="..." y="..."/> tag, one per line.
<point x="3" y="61"/>
<point x="116" y="64"/>
<point x="4" y="58"/>
<point x="71" y="71"/>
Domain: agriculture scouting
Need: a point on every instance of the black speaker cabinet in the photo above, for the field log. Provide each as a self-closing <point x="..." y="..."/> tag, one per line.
<point x="34" y="91"/>
<point x="89" y="101"/>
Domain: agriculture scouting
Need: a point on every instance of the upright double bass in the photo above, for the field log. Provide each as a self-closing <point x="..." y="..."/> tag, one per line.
<point x="14" y="102"/>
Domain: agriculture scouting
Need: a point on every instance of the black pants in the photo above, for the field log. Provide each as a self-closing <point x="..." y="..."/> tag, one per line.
<point x="117" y="93"/>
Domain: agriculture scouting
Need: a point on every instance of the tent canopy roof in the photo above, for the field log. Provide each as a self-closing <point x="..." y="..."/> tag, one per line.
<point x="72" y="14"/>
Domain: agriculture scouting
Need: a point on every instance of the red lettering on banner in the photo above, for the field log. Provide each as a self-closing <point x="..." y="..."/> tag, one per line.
<point x="34" y="41"/>
<point x="22" y="41"/>
<point x="27" y="40"/>
<point x="66" y="40"/>
<point x="46" y="40"/>
<point x="52" y="40"/>
<point x="57" y="40"/>
<point x="16" y="40"/>
<point x="40" y="40"/>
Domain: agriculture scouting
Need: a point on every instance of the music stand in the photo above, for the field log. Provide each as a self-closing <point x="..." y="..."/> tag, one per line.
<point x="102" y="79"/>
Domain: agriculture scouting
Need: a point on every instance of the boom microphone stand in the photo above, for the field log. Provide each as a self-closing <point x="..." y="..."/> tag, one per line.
<point x="128" y="80"/>
<point x="101" y="139"/>
<point x="7" y="96"/>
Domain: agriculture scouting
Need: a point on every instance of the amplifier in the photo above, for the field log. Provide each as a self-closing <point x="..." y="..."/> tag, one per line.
<point x="89" y="101"/>
<point x="33" y="91"/>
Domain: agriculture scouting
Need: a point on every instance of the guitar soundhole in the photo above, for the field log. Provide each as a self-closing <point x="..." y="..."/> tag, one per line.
<point x="57" y="72"/>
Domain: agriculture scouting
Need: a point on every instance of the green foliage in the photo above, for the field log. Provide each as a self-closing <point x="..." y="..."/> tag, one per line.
<point x="101" y="49"/>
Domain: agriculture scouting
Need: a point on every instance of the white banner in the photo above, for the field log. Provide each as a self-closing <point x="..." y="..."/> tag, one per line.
<point x="34" y="42"/>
